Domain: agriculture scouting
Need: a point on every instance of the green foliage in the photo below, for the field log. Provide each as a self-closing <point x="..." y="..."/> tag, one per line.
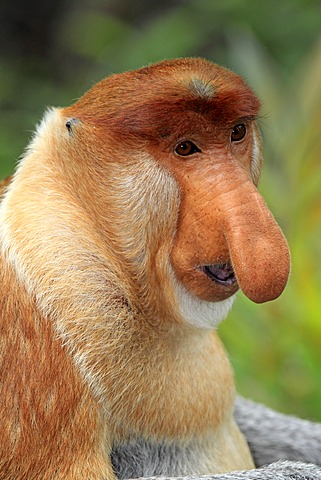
<point x="275" y="348"/>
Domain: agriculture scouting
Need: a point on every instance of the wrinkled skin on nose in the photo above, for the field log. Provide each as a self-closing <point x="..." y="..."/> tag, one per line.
<point x="258" y="250"/>
<point x="224" y="225"/>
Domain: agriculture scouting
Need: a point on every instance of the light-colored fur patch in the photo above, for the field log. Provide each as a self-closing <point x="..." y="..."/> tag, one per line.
<point x="256" y="165"/>
<point x="199" y="313"/>
<point x="202" y="88"/>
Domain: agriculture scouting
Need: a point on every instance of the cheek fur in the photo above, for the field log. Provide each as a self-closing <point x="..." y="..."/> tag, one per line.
<point x="256" y="157"/>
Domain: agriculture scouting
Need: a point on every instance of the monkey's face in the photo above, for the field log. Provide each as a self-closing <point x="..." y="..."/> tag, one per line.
<point x="198" y="122"/>
<point x="226" y="236"/>
<point x="217" y="170"/>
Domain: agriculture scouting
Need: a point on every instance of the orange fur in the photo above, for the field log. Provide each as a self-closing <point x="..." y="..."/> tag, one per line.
<point x="3" y="186"/>
<point x="46" y="408"/>
<point x="103" y="229"/>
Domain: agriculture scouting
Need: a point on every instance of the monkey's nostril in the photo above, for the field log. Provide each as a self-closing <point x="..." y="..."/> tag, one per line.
<point x="221" y="273"/>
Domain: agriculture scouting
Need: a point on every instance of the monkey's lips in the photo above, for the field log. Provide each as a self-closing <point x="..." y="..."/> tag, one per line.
<point x="222" y="273"/>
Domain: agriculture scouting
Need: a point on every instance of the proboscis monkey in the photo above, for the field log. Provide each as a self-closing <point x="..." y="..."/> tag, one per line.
<point x="130" y="224"/>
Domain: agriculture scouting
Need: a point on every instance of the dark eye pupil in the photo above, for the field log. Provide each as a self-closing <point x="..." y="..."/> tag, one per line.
<point x="238" y="132"/>
<point x="186" y="148"/>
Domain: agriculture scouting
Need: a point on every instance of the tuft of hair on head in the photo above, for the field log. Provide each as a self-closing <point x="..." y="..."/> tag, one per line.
<point x="201" y="88"/>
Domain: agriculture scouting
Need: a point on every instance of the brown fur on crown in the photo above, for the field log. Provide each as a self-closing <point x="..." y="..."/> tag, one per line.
<point x="93" y="267"/>
<point x="121" y="103"/>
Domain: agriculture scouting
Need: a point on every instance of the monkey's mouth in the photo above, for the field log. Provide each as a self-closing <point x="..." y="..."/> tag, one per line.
<point x="221" y="273"/>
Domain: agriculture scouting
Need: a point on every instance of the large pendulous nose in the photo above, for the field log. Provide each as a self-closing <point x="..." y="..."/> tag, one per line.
<point x="258" y="249"/>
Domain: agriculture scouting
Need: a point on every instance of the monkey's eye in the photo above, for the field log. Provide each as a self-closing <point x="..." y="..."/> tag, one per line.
<point x="185" y="148"/>
<point x="238" y="132"/>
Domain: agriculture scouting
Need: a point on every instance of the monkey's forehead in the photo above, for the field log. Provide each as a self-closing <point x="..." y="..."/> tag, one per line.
<point x="190" y="83"/>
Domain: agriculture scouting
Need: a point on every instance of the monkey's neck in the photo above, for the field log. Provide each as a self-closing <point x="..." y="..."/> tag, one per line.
<point x="166" y="385"/>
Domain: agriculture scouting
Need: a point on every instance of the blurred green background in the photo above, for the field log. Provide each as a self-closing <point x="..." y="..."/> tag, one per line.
<point x="52" y="51"/>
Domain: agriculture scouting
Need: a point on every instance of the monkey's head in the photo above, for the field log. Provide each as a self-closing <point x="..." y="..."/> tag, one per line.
<point x="179" y="139"/>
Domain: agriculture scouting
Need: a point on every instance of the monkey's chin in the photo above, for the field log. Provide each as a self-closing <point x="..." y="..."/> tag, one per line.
<point x="201" y="313"/>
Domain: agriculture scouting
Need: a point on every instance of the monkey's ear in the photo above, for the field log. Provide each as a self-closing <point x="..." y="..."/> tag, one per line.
<point x="71" y="123"/>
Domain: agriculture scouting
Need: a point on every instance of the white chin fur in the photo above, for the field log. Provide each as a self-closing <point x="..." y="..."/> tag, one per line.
<point x="200" y="313"/>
